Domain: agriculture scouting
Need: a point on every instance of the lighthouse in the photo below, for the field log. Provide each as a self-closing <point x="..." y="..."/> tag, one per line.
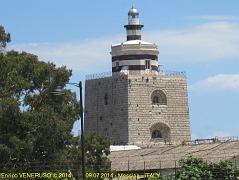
<point x="137" y="103"/>
<point x="134" y="54"/>
<point x="133" y="27"/>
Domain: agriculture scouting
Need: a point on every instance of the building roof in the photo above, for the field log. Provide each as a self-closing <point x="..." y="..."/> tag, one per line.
<point x="133" y="11"/>
<point x="134" y="42"/>
<point x="123" y="148"/>
<point x="165" y="157"/>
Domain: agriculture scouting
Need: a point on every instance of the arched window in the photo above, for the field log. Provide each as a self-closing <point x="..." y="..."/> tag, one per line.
<point x="159" y="97"/>
<point x="156" y="134"/>
<point x="160" y="131"/>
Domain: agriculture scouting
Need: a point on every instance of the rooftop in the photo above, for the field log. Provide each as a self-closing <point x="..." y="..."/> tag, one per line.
<point x="123" y="148"/>
<point x="167" y="157"/>
<point x="134" y="42"/>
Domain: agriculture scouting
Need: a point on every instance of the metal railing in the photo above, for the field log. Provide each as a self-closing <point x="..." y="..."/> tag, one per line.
<point x="129" y="72"/>
<point x="98" y="75"/>
<point x="174" y="73"/>
<point x="213" y="140"/>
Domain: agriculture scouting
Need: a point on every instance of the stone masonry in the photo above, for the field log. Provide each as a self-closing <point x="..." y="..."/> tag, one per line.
<point x="106" y="106"/>
<point x="120" y="107"/>
<point x="138" y="103"/>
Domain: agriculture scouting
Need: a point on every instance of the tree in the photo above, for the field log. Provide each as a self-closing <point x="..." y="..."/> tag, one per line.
<point x="4" y="38"/>
<point x="35" y="125"/>
<point x="196" y="168"/>
<point x="193" y="168"/>
<point x="224" y="170"/>
<point x="96" y="150"/>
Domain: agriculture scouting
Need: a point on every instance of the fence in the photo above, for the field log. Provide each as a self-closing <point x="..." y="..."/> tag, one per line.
<point x="72" y="170"/>
<point x="126" y="72"/>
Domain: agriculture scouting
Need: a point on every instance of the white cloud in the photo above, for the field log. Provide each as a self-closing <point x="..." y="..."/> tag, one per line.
<point x="217" y="83"/>
<point x="86" y="56"/>
<point x="219" y="18"/>
<point x="207" y="42"/>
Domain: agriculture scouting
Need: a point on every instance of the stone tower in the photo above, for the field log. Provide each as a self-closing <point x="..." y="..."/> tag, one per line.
<point x="137" y="103"/>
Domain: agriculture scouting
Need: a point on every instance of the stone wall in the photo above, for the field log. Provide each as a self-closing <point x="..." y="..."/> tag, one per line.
<point x="129" y="115"/>
<point x="144" y="115"/>
<point x="109" y="118"/>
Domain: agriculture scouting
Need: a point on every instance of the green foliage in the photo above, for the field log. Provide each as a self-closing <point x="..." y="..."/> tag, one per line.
<point x="96" y="151"/>
<point x="4" y="38"/>
<point x="35" y="124"/>
<point x="97" y="148"/>
<point x="196" y="168"/>
<point x="224" y="170"/>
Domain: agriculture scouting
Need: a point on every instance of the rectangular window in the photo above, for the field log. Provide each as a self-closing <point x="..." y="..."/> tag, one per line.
<point x="106" y="99"/>
<point x="147" y="64"/>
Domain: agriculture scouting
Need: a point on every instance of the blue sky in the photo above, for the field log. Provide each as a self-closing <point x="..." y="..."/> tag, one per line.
<point x="199" y="37"/>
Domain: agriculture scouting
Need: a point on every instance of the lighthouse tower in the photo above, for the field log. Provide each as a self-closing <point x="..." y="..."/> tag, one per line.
<point x="134" y="54"/>
<point x="137" y="103"/>
<point x="134" y="27"/>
